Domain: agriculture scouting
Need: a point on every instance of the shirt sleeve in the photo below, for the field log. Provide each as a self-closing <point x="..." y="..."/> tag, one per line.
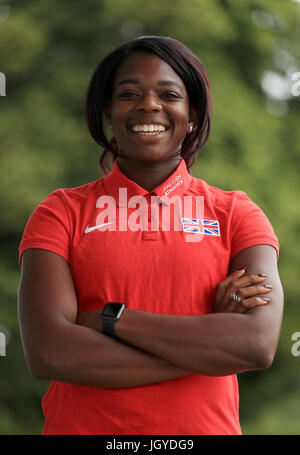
<point x="48" y="228"/>
<point x="250" y="226"/>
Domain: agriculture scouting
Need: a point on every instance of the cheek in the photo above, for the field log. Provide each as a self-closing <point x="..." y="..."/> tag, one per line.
<point x="181" y="126"/>
<point x="181" y="116"/>
<point x="118" y="123"/>
<point x="119" y="111"/>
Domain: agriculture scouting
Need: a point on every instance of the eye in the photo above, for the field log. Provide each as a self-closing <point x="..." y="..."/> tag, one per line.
<point x="128" y="94"/>
<point x="171" y="95"/>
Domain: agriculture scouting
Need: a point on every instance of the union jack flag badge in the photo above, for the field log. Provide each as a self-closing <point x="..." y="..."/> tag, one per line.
<point x="197" y="226"/>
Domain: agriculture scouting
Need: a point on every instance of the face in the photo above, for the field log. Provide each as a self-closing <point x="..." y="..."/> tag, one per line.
<point x="149" y="112"/>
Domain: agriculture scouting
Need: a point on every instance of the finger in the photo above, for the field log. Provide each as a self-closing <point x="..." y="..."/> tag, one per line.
<point x="235" y="307"/>
<point x="244" y="293"/>
<point x="238" y="284"/>
<point x="233" y="276"/>
<point x="247" y="304"/>
<point x="250" y="291"/>
<point x="247" y="280"/>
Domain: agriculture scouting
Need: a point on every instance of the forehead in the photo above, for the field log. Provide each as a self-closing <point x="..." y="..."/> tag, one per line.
<point x="145" y="66"/>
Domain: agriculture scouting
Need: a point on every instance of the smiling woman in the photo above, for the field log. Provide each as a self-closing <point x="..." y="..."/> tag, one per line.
<point x="177" y="77"/>
<point x="149" y="113"/>
<point x="143" y="330"/>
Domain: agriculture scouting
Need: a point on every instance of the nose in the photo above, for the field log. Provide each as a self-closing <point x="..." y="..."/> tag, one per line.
<point x="149" y="102"/>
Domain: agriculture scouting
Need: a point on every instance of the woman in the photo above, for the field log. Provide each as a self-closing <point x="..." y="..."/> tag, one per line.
<point x="143" y="293"/>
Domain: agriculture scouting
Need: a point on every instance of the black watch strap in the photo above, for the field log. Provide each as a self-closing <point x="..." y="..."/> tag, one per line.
<point x="109" y="316"/>
<point x="108" y="326"/>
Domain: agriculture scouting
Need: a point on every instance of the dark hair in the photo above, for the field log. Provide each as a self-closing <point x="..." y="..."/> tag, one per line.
<point x="183" y="61"/>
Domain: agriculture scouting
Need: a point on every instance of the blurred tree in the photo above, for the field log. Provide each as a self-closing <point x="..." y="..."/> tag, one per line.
<point x="49" y="50"/>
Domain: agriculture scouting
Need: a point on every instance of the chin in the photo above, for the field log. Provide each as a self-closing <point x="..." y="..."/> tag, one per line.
<point x="145" y="156"/>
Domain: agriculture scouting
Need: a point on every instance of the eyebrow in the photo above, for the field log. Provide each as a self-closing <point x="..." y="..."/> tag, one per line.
<point x="160" y="83"/>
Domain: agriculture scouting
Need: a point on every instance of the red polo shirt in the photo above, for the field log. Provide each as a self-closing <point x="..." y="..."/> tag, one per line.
<point x="163" y="252"/>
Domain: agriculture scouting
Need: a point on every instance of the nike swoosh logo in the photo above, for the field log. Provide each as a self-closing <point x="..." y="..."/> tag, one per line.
<point x="92" y="228"/>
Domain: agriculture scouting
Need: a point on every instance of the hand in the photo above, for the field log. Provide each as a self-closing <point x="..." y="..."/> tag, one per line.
<point x="90" y="319"/>
<point x="246" y="287"/>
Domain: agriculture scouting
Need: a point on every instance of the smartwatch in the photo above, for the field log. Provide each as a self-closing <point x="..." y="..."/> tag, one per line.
<point x="109" y="316"/>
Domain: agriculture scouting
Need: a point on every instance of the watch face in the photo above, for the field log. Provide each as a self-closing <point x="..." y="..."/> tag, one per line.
<point x="112" y="309"/>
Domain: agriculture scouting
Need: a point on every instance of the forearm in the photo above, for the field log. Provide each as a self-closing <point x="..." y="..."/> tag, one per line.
<point x="96" y="360"/>
<point x="213" y="344"/>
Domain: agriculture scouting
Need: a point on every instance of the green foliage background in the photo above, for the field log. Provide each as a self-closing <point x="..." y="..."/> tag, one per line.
<point x="48" y="52"/>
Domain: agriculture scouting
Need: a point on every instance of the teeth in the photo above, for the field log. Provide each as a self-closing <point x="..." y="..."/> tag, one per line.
<point x="148" y="128"/>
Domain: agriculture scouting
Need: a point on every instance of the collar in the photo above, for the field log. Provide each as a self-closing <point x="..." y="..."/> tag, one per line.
<point x="175" y="185"/>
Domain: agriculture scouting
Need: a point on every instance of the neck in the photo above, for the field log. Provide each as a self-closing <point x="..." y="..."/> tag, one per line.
<point x="148" y="175"/>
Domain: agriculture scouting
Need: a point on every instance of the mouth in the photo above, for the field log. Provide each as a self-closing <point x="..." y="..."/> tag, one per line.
<point x="152" y="129"/>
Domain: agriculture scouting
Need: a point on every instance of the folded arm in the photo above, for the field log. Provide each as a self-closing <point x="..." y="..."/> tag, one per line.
<point x="153" y="347"/>
<point x="56" y="348"/>
<point x="216" y="344"/>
